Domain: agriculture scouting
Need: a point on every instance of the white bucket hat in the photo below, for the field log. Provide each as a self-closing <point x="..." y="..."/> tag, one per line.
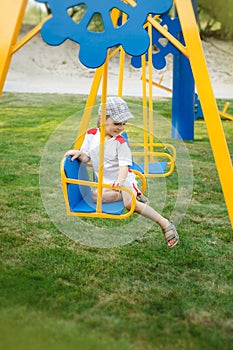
<point x="117" y="109"/>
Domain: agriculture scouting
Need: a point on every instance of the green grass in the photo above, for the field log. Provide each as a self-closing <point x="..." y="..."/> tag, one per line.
<point x="58" y="294"/>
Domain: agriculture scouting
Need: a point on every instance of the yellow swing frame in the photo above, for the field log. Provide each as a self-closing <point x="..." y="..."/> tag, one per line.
<point x="149" y="146"/>
<point x="101" y="72"/>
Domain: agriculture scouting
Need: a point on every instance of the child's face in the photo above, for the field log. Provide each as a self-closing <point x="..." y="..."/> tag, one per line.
<point x="113" y="128"/>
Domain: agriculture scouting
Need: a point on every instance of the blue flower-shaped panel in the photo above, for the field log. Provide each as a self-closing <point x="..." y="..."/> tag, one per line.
<point x="93" y="45"/>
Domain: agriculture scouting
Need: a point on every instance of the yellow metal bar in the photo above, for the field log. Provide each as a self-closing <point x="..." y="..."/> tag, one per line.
<point x="115" y="14"/>
<point x="159" y="145"/>
<point x="64" y="185"/>
<point x="102" y="138"/>
<point x="209" y="107"/>
<point x="89" y="107"/>
<point x="11" y="18"/>
<point x="168" y="36"/>
<point x="142" y="177"/>
<point x="170" y="163"/>
<point x="131" y="2"/>
<point x="160" y="86"/>
<point x="27" y="37"/>
<point x="150" y="72"/>
<point x="226" y="115"/>
<point x="121" y="72"/>
<point x="114" y="52"/>
<point x="144" y="105"/>
<point x="122" y="63"/>
<point x="91" y="101"/>
<point x="225" y="108"/>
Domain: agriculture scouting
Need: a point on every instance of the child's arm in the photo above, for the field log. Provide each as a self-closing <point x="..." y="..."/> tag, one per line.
<point x="123" y="172"/>
<point x="83" y="157"/>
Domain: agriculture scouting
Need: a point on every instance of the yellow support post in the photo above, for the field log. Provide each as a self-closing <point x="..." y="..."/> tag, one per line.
<point x="29" y="35"/>
<point x="121" y="72"/>
<point x="144" y="105"/>
<point x="89" y="107"/>
<point x="102" y="137"/>
<point x="209" y="107"/>
<point x="11" y="18"/>
<point x="150" y="71"/>
<point x="122" y="64"/>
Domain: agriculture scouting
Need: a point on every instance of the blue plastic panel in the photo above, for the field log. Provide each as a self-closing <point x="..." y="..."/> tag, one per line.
<point x="153" y="168"/>
<point x="93" y="45"/>
<point x="80" y="199"/>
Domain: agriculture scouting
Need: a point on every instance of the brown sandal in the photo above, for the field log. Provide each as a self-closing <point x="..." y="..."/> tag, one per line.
<point x="173" y="235"/>
<point x="141" y="198"/>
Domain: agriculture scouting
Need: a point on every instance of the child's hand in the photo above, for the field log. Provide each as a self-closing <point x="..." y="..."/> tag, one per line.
<point x="116" y="184"/>
<point x="74" y="153"/>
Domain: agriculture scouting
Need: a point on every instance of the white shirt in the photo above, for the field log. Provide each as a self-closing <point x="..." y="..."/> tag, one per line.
<point x="116" y="154"/>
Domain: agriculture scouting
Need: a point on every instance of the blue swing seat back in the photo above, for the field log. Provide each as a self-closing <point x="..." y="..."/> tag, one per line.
<point x="153" y="168"/>
<point x="79" y="196"/>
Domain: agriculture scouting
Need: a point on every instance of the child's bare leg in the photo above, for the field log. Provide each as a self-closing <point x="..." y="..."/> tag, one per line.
<point x="108" y="196"/>
<point x="150" y="213"/>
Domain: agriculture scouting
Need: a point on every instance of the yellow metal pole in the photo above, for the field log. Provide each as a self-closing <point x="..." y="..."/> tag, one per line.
<point x="150" y="71"/>
<point x="160" y="86"/>
<point x="90" y="102"/>
<point x="89" y="107"/>
<point x="168" y="36"/>
<point x="27" y="37"/>
<point x="145" y="123"/>
<point x="11" y="18"/>
<point x="209" y="107"/>
<point x="102" y="138"/>
<point x="122" y="63"/>
<point x="121" y="72"/>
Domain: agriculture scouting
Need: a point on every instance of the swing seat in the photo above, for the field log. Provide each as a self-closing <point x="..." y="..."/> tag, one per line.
<point x="154" y="168"/>
<point x="79" y="196"/>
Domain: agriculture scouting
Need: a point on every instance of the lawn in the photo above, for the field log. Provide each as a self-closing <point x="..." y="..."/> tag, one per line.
<point x="83" y="284"/>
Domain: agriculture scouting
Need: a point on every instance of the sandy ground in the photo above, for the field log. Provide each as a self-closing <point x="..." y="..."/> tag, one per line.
<point x="38" y="67"/>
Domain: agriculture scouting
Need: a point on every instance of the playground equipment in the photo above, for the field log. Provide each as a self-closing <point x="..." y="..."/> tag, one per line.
<point x="77" y="192"/>
<point x="197" y="105"/>
<point x="137" y="14"/>
<point x="199" y="113"/>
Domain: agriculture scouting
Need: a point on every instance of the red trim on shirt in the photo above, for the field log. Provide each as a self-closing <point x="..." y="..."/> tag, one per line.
<point x="121" y="139"/>
<point x="136" y="189"/>
<point x="92" y="131"/>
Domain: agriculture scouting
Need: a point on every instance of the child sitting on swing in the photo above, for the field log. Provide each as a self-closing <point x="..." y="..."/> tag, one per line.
<point x="117" y="159"/>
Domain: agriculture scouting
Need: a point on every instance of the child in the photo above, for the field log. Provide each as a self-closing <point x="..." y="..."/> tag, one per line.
<point x="117" y="159"/>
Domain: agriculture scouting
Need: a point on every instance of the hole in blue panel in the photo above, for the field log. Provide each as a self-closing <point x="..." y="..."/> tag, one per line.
<point x="163" y="41"/>
<point x="77" y="12"/>
<point x="96" y="23"/>
<point x="118" y="17"/>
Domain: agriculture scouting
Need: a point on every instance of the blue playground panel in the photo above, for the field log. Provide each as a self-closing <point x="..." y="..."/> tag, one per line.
<point x="94" y="45"/>
<point x="197" y="108"/>
<point x="79" y="196"/>
<point x="153" y="168"/>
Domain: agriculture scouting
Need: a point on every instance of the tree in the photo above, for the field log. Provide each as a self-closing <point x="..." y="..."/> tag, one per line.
<point x="216" y="18"/>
